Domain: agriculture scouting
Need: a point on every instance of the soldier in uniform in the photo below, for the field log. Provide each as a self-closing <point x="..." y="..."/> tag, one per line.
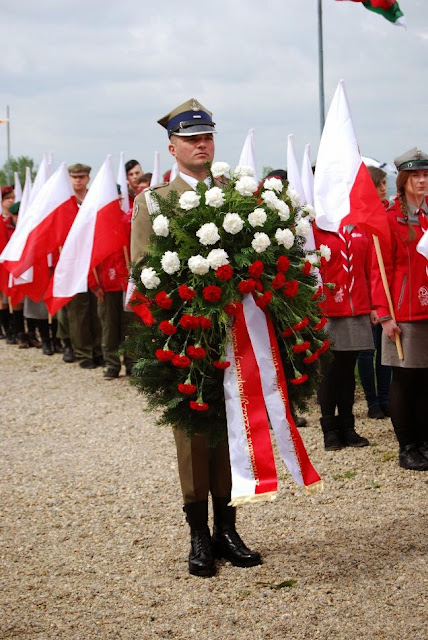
<point x="202" y="469"/>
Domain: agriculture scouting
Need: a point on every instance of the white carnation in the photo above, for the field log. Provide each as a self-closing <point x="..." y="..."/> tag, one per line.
<point x="283" y="210"/>
<point x="149" y="278"/>
<point x="260" y="242"/>
<point x="294" y="196"/>
<point x="208" y="233"/>
<point x="246" y="186"/>
<point x="274" y="184"/>
<point x="312" y="258"/>
<point x="310" y="211"/>
<point x="214" y="197"/>
<point x="257" y="218"/>
<point x="161" y="226"/>
<point x="232" y="223"/>
<point x="325" y="251"/>
<point x="170" y="262"/>
<point x="189" y="200"/>
<point x="198" y="265"/>
<point x="271" y="199"/>
<point x="303" y="227"/>
<point x="284" y="237"/>
<point x="217" y="258"/>
<point x="242" y="170"/>
<point x="219" y="169"/>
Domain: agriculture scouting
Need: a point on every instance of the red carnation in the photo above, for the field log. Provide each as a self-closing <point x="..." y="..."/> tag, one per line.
<point x="323" y="261"/>
<point x="164" y="355"/>
<point x="306" y="269"/>
<point x="256" y="269"/>
<point x="233" y="308"/>
<point x="299" y="326"/>
<point x="180" y="361"/>
<point x="320" y="325"/>
<point x="189" y="322"/>
<point x="301" y="346"/>
<point x="300" y="379"/>
<point x="187" y="389"/>
<point x="313" y="357"/>
<point x="211" y="293"/>
<point x="264" y="300"/>
<point x="225" y="272"/>
<point x="198" y="406"/>
<point x="291" y="288"/>
<point x="287" y="333"/>
<point x="246" y="286"/>
<point x="204" y="322"/>
<point x="282" y="264"/>
<point x="325" y="346"/>
<point x="221" y="364"/>
<point x="197" y="353"/>
<point x="186" y="293"/>
<point x="163" y="300"/>
<point x="317" y="294"/>
<point x="278" y="281"/>
<point x="167" y="328"/>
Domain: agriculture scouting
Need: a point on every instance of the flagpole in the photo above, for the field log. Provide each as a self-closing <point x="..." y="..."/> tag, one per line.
<point x="321" y="67"/>
<point x="8" y="143"/>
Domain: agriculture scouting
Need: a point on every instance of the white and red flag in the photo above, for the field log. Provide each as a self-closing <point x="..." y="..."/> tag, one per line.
<point x="293" y="174"/>
<point x="97" y="232"/>
<point x="255" y="388"/>
<point x="248" y="156"/>
<point x="307" y="176"/>
<point x="389" y="9"/>
<point x="156" y="175"/>
<point x="43" y="224"/>
<point x="17" y="185"/>
<point x="344" y="192"/>
<point x="123" y="183"/>
<point x="422" y="245"/>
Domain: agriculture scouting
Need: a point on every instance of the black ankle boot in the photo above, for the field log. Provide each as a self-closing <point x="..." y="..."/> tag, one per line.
<point x="330" y="429"/>
<point x="348" y="434"/>
<point x="410" y="457"/>
<point x="201" y="559"/>
<point x="226" y="541"/>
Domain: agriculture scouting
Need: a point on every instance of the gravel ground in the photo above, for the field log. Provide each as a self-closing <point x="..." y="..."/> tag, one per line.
<point x="94" y="544"/>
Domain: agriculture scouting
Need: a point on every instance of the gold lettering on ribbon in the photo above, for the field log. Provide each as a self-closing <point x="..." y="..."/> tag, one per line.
<point x="244" y="404"/>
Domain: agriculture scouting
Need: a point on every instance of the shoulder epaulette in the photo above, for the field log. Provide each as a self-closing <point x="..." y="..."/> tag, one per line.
<point x="157" y="186"/>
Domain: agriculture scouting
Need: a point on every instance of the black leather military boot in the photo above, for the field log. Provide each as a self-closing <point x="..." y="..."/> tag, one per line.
<point x="201" y="558"/>
<point x="226" y="541"/>
<point x="410" y="457"/>
<point x="348" y="434"/>
<point x="332" y="440"/>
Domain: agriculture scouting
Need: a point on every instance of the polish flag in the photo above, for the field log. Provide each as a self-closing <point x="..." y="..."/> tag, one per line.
<point x="307" y="176"/>
<point x="293" y="174"/>
<point x="97" y="232"/>
<point x="44" y="224"/>
<point x="422" y="245"/>
<point x="248" y="156"/>
<point x="123" y="183"/>
<point x="344" y="192"/>
<point x="156" y="175"/>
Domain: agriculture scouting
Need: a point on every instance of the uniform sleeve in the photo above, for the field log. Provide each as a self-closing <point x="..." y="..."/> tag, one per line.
<point x="379" y="298"/>
<point x="141" y="228"/>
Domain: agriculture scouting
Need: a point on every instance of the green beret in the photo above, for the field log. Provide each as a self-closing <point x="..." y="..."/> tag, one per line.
<point x="412" y="160"/>
<point x="79" y="168"/>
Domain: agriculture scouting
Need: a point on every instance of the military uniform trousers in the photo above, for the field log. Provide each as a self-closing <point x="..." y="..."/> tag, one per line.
<point x="85" y="326"/>
<point x="202" y="469"/>
<point x="115" y="322"/>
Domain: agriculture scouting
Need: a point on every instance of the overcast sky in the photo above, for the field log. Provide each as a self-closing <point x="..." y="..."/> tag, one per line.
<point x="88" y="78"/>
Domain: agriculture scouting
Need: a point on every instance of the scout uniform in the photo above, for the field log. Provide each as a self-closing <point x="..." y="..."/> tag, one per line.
<point x="202" y="469"/>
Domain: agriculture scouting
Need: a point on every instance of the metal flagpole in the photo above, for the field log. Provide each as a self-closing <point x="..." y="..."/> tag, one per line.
<point x="321" y="67"/>
<point x="8" y="144"/>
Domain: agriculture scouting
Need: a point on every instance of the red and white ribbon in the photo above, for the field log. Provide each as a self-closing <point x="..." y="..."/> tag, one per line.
<point x="255" y="388"/>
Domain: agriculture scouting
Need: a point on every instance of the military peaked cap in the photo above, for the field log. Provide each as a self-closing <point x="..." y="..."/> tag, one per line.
<point x="189" y="119"/>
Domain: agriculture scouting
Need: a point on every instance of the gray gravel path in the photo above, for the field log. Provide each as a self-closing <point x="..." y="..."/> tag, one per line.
<point x="94" y="544"/>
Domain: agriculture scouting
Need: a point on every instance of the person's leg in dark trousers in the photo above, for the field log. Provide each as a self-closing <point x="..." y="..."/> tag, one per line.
<point x="110" y="313"/>
<point x="367" y="377"/>
<point x="408" y="405"/>
<point x="383" y="372"/>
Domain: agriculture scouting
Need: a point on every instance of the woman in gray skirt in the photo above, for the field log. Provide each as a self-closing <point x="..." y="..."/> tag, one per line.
<point x="407" y="275"/>
<point x="348" y="311"/>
